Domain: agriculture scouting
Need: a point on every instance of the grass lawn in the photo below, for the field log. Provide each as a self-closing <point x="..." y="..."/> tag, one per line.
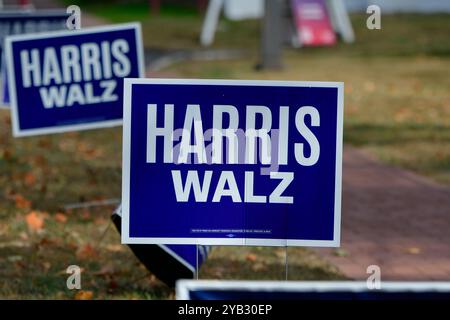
<point x="397" y="107"/>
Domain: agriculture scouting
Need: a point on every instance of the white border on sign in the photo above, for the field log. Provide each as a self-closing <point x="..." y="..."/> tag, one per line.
<point x="9" y="40"/>
<point x="126" y="161"/>
<point x="184" y="287"/>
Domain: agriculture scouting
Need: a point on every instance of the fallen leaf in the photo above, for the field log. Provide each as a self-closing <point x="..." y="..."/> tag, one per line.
<point x="40" y="161"/>
<point x="23" y="236"/>
<point x="7" y="155"/>
<point x="46" y="265"/>
<point x="44" y="143"/>
<point x="106" y="270"/>
<point x="35" y="221"/>
<point x="20" y="264"/>
<point x="99" y="221"/>
<point x="29" y="179"/>
<point x="87" y="151"/>
<point x="21" y="202"/>
<point x="87" y="252"/>
<point x="251" y="257"/>
<point x="46" y="242"/>
<point x="61" y="217"/>
<point x="84" y="295"/>
<point x="281" y="253"/>
<point x="86" y="215"/>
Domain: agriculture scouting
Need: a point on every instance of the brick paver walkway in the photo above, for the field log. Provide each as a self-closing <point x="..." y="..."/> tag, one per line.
<point x="394" y="219"/>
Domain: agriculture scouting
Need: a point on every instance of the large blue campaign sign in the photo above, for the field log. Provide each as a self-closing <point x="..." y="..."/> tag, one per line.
<point x="232" y="162"/>
<point x="71" y="80"/>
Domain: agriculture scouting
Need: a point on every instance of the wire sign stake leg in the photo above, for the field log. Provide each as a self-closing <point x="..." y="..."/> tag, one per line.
<point x="196" y="261"/>
<point x="286" y="264"/>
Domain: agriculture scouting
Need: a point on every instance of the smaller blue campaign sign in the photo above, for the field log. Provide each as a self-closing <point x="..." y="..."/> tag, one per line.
<point x="232" y="162"/>
<point x="71" y="80"/>
<point x="16" y="21"/>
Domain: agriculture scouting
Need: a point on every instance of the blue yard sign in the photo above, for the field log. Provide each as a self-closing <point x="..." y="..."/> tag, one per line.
<point x="71" y="80"/>
<point x="223" y="162"/>
<point x="21" y="22"/>
<point x="30" y="21"/>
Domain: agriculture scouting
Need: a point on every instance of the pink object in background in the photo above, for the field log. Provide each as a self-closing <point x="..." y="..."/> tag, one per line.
<point x="313" y="23"/>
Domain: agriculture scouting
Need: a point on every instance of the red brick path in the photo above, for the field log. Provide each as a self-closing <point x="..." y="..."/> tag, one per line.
<point x="394" y="219"/>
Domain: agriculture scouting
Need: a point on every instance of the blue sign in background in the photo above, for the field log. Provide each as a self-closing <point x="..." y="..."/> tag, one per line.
<point x="153" y="209"/>
<point x="20" y="22"/>
<point x="31" y="112"/>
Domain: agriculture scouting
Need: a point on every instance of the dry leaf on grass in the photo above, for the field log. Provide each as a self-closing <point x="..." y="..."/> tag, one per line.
<point x="86" y="215"/>
<point x="84" y="295"/>
<point x="251" y="257"/>
<point x="99" y="221"/>
<point x="35" y="220"/>
<point x="21" y="202"/>
<point x="29" y="179"/>
<point x="106" y="270"/>
<point x="46" y="265"/>
<point x="61" y="217"/>
<point x="87" y="252"/>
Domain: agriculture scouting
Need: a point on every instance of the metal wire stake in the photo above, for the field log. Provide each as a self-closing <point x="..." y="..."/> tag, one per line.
<point x="196" y="261"/>
<point x="286" y="265"/>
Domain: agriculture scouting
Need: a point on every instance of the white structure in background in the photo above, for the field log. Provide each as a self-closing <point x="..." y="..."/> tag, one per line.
<point x="340" y="20"/>
<point x="233" y="10"/>
<point x="250" y="9"/>
<point x="240" y="10"/>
